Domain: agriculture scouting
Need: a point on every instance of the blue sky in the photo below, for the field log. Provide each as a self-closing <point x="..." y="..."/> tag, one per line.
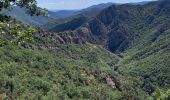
<point x="77" y="4"/>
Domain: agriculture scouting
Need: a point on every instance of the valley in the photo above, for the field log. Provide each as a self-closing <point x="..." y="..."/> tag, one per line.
<point x="120" y="53"/>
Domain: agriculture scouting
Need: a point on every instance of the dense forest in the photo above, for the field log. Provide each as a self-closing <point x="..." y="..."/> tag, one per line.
<point x="121" y="53"/>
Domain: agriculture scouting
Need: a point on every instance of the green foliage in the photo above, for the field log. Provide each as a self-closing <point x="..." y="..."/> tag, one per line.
<point x="131" y="89"/>
<point x="148" y="58"/>
<point x="30" y="5"/>
<point x="64" y="73"/>
<point x="48" y="70"/>
<point x="161" y="94"/>
<point x="15" y="33"/>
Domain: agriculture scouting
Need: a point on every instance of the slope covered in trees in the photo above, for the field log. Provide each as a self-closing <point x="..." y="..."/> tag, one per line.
<point x="139" y="34"/>
<point x="123" y="53"/>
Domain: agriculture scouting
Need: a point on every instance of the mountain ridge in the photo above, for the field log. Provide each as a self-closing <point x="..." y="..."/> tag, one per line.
<point x="120" y="54"/>
<point x="136" y="32"/>
<point x="20" y="13"/>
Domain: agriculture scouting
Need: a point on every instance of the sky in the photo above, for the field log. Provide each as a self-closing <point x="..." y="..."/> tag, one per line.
<point x="77" y="4"/>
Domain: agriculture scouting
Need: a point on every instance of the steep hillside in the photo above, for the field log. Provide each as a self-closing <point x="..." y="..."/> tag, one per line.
<point x="139" y="34"/>
<point x="67" y="72"/>
<point x="70" y="25"/>
<point x="121" y="54"/>
<point x="118" y="26"/>
<point x="35" y="69"/>
<point x="89" y="13"/>
<point x="70" y="17"/>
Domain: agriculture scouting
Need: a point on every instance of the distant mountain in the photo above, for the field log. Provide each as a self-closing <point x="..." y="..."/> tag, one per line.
<point x="70" y="25"/>
<point x="95" y="9"/>
<point x="140" y="3"/>
<point x="66" y="13"/>
<point x="139" y="34"/>
<point x="70" y="17"/>
<point x="90" y="11"/>
<point x="120" y="54"/>
<point x="20" y="14"/>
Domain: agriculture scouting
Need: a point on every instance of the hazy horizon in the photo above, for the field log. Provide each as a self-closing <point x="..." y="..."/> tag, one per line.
<point x="78" y="4"/>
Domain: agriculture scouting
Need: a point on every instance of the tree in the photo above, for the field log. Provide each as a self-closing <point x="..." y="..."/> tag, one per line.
<point x="30" y="5"/>
<point x="17" y="32"/>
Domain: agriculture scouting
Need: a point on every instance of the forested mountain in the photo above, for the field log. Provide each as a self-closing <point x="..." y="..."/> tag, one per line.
<point x="71" y="17"/>
<point x="89" y="11"/>
<point x="120" y="54"/>
<point x="65" y="24"/>
<point x="71" y="24"/>
<point x="20" y="14"/>
<point x="139" y="34"/>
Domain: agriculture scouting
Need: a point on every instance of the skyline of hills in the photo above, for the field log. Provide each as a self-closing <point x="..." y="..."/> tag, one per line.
<point x="20" y="14"/>
<point x="121" y="53"/>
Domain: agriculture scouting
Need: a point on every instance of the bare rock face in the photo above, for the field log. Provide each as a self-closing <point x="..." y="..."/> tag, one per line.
<point x="115" y="27"/>
<point x="105" y="29"/>
<point x="83" y="30"/>
<point x="97" y="31"/>
<point x="110" y="82"/>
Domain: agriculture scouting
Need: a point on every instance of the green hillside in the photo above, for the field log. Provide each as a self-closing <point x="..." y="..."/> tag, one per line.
<point x="68" y="72"/>
<point x="139" y="34"/>
<point x="29" y="70"/>
<point x="121" y="54"/>
<point x="70" y="25"/>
